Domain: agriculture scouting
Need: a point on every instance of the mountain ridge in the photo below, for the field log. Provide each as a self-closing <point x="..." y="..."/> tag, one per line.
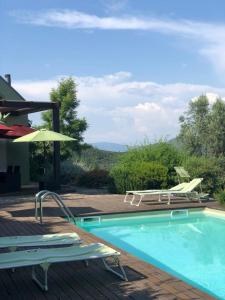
<point x="108" y="146"/>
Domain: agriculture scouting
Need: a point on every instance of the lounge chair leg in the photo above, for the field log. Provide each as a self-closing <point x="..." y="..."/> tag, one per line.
<point x="187" y="197"/>
<point x="12" y="249"/>
<point x="199" y="197"/>
<point x="125" y="198"/>
<point x="160" y="198"/>
<point x="42" y="285"/>
<point x="132" y="200"/>
<point x="86" y="262"/>
<point x="139" y="202"/>
<point x="116" y="261"/>
<point x="169" y="197"/>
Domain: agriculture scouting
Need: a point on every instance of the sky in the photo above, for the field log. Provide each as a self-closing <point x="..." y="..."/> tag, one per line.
<point x="137" y="64"/>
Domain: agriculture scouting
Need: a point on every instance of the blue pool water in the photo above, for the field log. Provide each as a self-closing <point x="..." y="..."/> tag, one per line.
<point x="190" y="247"/>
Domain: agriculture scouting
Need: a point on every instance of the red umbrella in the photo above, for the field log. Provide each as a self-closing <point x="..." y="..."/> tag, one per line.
<point x="18" y="130"/>
<point x="4" y="128"/>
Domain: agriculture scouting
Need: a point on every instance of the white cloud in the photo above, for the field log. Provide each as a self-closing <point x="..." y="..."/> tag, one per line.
<point x="208" y="37"/>
<point x="122" y="110"/>
<point x="36" y="90"/>
<point x="212" y="97"/>
<point x="75" y="19"/>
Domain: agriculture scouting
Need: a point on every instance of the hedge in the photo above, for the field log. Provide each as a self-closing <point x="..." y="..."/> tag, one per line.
<point x="138" y="175"/>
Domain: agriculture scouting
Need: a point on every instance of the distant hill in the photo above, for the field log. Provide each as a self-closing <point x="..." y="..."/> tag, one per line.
<point x="110" y="146"/>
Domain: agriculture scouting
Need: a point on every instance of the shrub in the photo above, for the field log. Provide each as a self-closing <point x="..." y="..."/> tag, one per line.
<point x="97" y="159"/>
<point x="211" y="169"/>
<point x="72" y="171"/>
<point x="138" y="175"/>
<point x="94" y="179"/>
<point x="161" y="152"/>
<point x="220" y="196"/>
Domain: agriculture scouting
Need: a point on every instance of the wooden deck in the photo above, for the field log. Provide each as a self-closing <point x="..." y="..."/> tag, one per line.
<point x="74" y="280"/>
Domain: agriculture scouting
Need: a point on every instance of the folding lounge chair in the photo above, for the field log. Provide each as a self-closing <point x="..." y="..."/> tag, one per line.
<point x="188" y="190"/>
<point x="13" y="242"/>
<point x="178" y="187"/>
<point x="43" y="258"/>
<point x="182" y="174"/>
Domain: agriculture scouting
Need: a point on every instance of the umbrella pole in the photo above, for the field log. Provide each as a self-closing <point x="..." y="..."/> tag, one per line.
<point x="45" y="152"/>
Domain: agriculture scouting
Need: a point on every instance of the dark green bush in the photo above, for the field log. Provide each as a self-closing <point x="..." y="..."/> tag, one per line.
<point x="220" y="196"/>
<point x="161" y="152"/>
<point x="138" y="175"/>
<point x="71" y="171"/>
<point x="94" y="179"/>
<point x="210" y="169"/>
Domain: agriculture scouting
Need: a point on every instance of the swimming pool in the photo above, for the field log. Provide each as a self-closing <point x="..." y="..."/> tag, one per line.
<point x="188" y="244"/>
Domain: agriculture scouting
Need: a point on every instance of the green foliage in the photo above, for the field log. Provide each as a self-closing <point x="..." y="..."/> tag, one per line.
<point x="138" y="175"/>
<point x="95" y="179"/>
<point x="203" y="128"/>
<point x="194" y="126"/>
<point x="70" y="124"/>
<point x="38" y="162"/>
<point x="210" y="169"/>
<point x="161" y="152"/>
<point x="97" y="159"/>
<point x="216" y="136"/>
<point x="71" y="171"/>
<point x="4" y="117"/>
<point x="220" y="197"/>
<point x="146" y="167"/>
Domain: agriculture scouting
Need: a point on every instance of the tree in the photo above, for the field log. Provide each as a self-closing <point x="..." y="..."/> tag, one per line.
<point x="217" y="128"/>
<point x="195" y="127"/>
<point x="70" y="124"/>
<point x="203" y="128"/>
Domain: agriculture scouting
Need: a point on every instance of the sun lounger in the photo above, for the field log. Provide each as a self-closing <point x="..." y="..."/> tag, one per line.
<point x="43" y="258"/>
<point x="182" y="174"/>
<point x="13" y="242"/>
<point x="177" y="187"/>
<point x="188" y="191"/>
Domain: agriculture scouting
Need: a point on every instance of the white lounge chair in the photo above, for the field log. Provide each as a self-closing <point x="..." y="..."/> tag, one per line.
<point x="177" y="187"/>
<point x="182" y="174"/>
<point x="46" y="257"/>
<point x="188" y="190"/>
<point x="13" y="242"/>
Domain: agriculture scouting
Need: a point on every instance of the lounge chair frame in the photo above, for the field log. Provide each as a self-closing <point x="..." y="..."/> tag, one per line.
<point x="41" y="259"/>
<point x="178" y="187"/>
<point x="58" y="239"/>
<point x="187" y="191"/>
<point x="182" y="174"/>
<point x="168" y="194"/>
<point x="42" y="282"/>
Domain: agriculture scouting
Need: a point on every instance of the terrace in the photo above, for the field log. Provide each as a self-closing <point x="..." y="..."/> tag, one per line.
<point x="74" y="280"/>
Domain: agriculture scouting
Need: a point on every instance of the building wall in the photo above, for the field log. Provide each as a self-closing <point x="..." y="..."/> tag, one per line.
<point x="3" y="155"/>
<point x="18" y="153"/>
<point x="14" y="154"/>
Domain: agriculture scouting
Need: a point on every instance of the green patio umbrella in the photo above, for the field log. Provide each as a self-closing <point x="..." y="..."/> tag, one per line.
<point x="43" y="135"/>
